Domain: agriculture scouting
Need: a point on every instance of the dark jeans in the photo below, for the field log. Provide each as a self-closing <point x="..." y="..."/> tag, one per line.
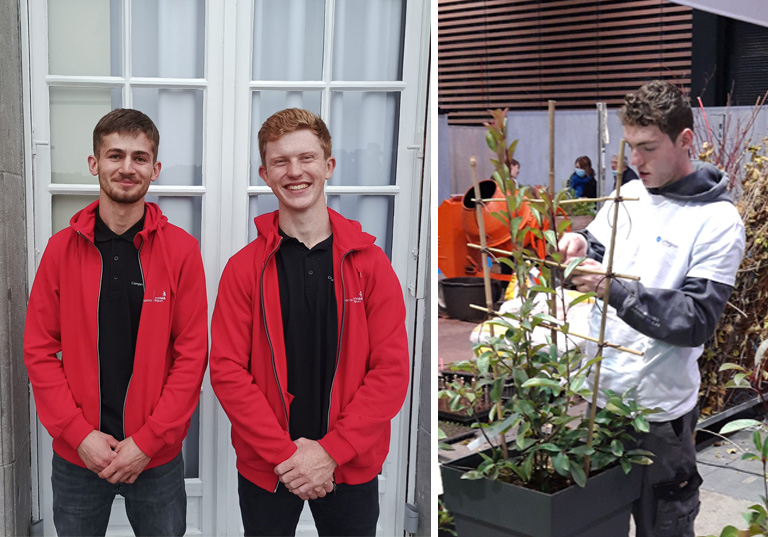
<point x="669" y="501"/>
<point x="156" y="503"/>
<point x="349" y="510"/>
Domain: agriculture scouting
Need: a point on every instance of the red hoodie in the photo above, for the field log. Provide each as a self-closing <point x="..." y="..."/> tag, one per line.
<point x="248" y="364"/>
<point x="171" y="346"/>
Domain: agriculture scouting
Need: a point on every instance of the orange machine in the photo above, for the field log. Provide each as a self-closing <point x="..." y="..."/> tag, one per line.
<point x="457" y="225"/>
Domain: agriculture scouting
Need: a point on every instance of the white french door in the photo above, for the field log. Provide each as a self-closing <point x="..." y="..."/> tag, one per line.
<point x="208" y="72"/>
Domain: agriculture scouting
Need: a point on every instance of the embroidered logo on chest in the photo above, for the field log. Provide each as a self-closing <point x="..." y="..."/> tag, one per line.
<point x="665" y="242"/>
<point x="157" y="297"/>
<point x="355" y="300"/>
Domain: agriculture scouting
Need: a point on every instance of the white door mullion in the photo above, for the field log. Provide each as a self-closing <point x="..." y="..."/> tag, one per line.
<point x="325" y="104"/>
<point x="126" y="41"/>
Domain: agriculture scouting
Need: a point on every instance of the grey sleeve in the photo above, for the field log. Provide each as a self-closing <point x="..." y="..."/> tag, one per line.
<point x="684" y="317"/>
<point x="595" y="248"/>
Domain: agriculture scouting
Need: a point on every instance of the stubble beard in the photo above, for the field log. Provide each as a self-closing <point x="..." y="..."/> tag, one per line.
<point x="114" y="192"/>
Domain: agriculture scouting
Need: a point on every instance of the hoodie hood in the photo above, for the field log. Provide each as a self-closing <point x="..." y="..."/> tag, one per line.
<point x="84" y="221"/>
<point x="706" y="184"/>
<point x="347" y="234"/>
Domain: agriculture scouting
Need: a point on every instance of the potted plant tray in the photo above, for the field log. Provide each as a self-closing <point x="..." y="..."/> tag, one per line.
<point x="492" y="508"/>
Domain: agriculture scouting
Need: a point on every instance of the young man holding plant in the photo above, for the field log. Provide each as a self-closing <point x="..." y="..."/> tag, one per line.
<point x="309" y="353"/>
<point x="684" y="239"/>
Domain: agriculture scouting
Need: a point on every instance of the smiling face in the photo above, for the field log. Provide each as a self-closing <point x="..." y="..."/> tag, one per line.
<point x="296" y="169"/>
<point x="125" y="167"/>
<point x="659" y="161"/>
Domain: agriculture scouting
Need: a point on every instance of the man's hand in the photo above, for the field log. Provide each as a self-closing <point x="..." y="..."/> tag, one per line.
<point x="589" y="282"/>
<point x="572" y="245"/>
<point x="129" y="462"/>
<point x="308" y="473"/>
<point x="96" y="450"/>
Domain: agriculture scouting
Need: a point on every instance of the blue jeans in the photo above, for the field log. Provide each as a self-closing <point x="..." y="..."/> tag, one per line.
<point x="156" y="503"/>
<point x="350" y="510"/>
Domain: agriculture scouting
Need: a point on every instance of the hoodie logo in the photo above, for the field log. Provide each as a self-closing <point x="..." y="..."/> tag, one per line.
<point x="355" y="300"/>
<point x="665" y="242"/>
<point x="156" y="298"/>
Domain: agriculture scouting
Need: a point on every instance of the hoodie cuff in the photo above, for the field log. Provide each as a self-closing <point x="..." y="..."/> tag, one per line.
<point x="147" y="441"/>
<point x="619" y="294"/>
<point x="338" y="447"/>
<point x="284" y="454"/>
<point x="76" y="431"/>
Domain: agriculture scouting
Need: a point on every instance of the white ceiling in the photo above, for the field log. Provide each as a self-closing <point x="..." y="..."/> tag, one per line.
<point x="753" y="11"/>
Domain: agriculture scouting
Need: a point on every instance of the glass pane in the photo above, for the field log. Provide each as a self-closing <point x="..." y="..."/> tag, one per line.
<point x="364" y="128"/>
<point x="182" y="211"/>
<point x="288" y="39"/>
<point x="64" y="207"/>
<point x="74" y="114"/>
<point x="266" y="103"/>
<point x="262" y="204"/>
<point x="168" y="38"/>
<point x="178" y="114"/>
<point x="375" y="214"/>
<point x="368" y="40"/>
<point x="190" y="449"/>
<point x="84" y="37"/>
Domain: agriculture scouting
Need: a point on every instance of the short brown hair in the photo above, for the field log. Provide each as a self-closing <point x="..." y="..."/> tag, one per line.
<point x="126" y="121"/>
<point x="292" y="120"/>
<point x="658" y="103"/>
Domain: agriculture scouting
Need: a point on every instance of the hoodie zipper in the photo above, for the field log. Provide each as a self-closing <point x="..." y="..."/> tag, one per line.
<point x="269" y="339"/>
<point x="98" y="330"/>
<point x="338" y="346"/>
<point x="143" y="288"/>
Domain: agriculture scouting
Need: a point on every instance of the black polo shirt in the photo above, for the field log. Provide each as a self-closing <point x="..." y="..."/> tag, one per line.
<point x="120" y="301"/>
<point x="308" y="303"/>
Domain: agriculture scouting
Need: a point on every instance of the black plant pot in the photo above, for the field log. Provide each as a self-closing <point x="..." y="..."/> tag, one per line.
<point x="488" y="508"/>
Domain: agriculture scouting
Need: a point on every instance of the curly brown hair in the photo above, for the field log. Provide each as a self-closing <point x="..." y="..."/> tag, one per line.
<point x="658" y="103"/>
<point x="292" y="120"/>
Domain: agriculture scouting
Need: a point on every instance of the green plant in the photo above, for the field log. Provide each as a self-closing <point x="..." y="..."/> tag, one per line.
<point x="744" y="323"/>
<point x="532" y="387"/>
<point x="750" y="379"/>
<point x="757" y="516"/>
<point x="582" y="208"/>
<point x="445" y="524"/>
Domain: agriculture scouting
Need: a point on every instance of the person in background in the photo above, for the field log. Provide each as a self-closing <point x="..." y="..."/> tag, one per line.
<point x="628" y="175"/>
<point x="514" y="169"/>
<point x="583" y="182"/>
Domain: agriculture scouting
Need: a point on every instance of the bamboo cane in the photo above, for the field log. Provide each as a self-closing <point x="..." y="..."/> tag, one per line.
<point x="563" y="202"/>
<point x="483" y="242"/>
<point x="507" y="253"/>
<point x="551" y="112"/>
<point x="549" y="325"/>
<point x="604" y="313"/>
<point x="486" y="270"/>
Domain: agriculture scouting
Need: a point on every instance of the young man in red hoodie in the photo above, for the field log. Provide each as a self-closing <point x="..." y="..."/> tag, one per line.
<point x="121" y="295"/>
<point x="309" y="353"/>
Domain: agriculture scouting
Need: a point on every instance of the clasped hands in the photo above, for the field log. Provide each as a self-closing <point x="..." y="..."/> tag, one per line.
<point x="308" y="473"/>
<point x="112" y="460"/>
<point x="573" y="245"/>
